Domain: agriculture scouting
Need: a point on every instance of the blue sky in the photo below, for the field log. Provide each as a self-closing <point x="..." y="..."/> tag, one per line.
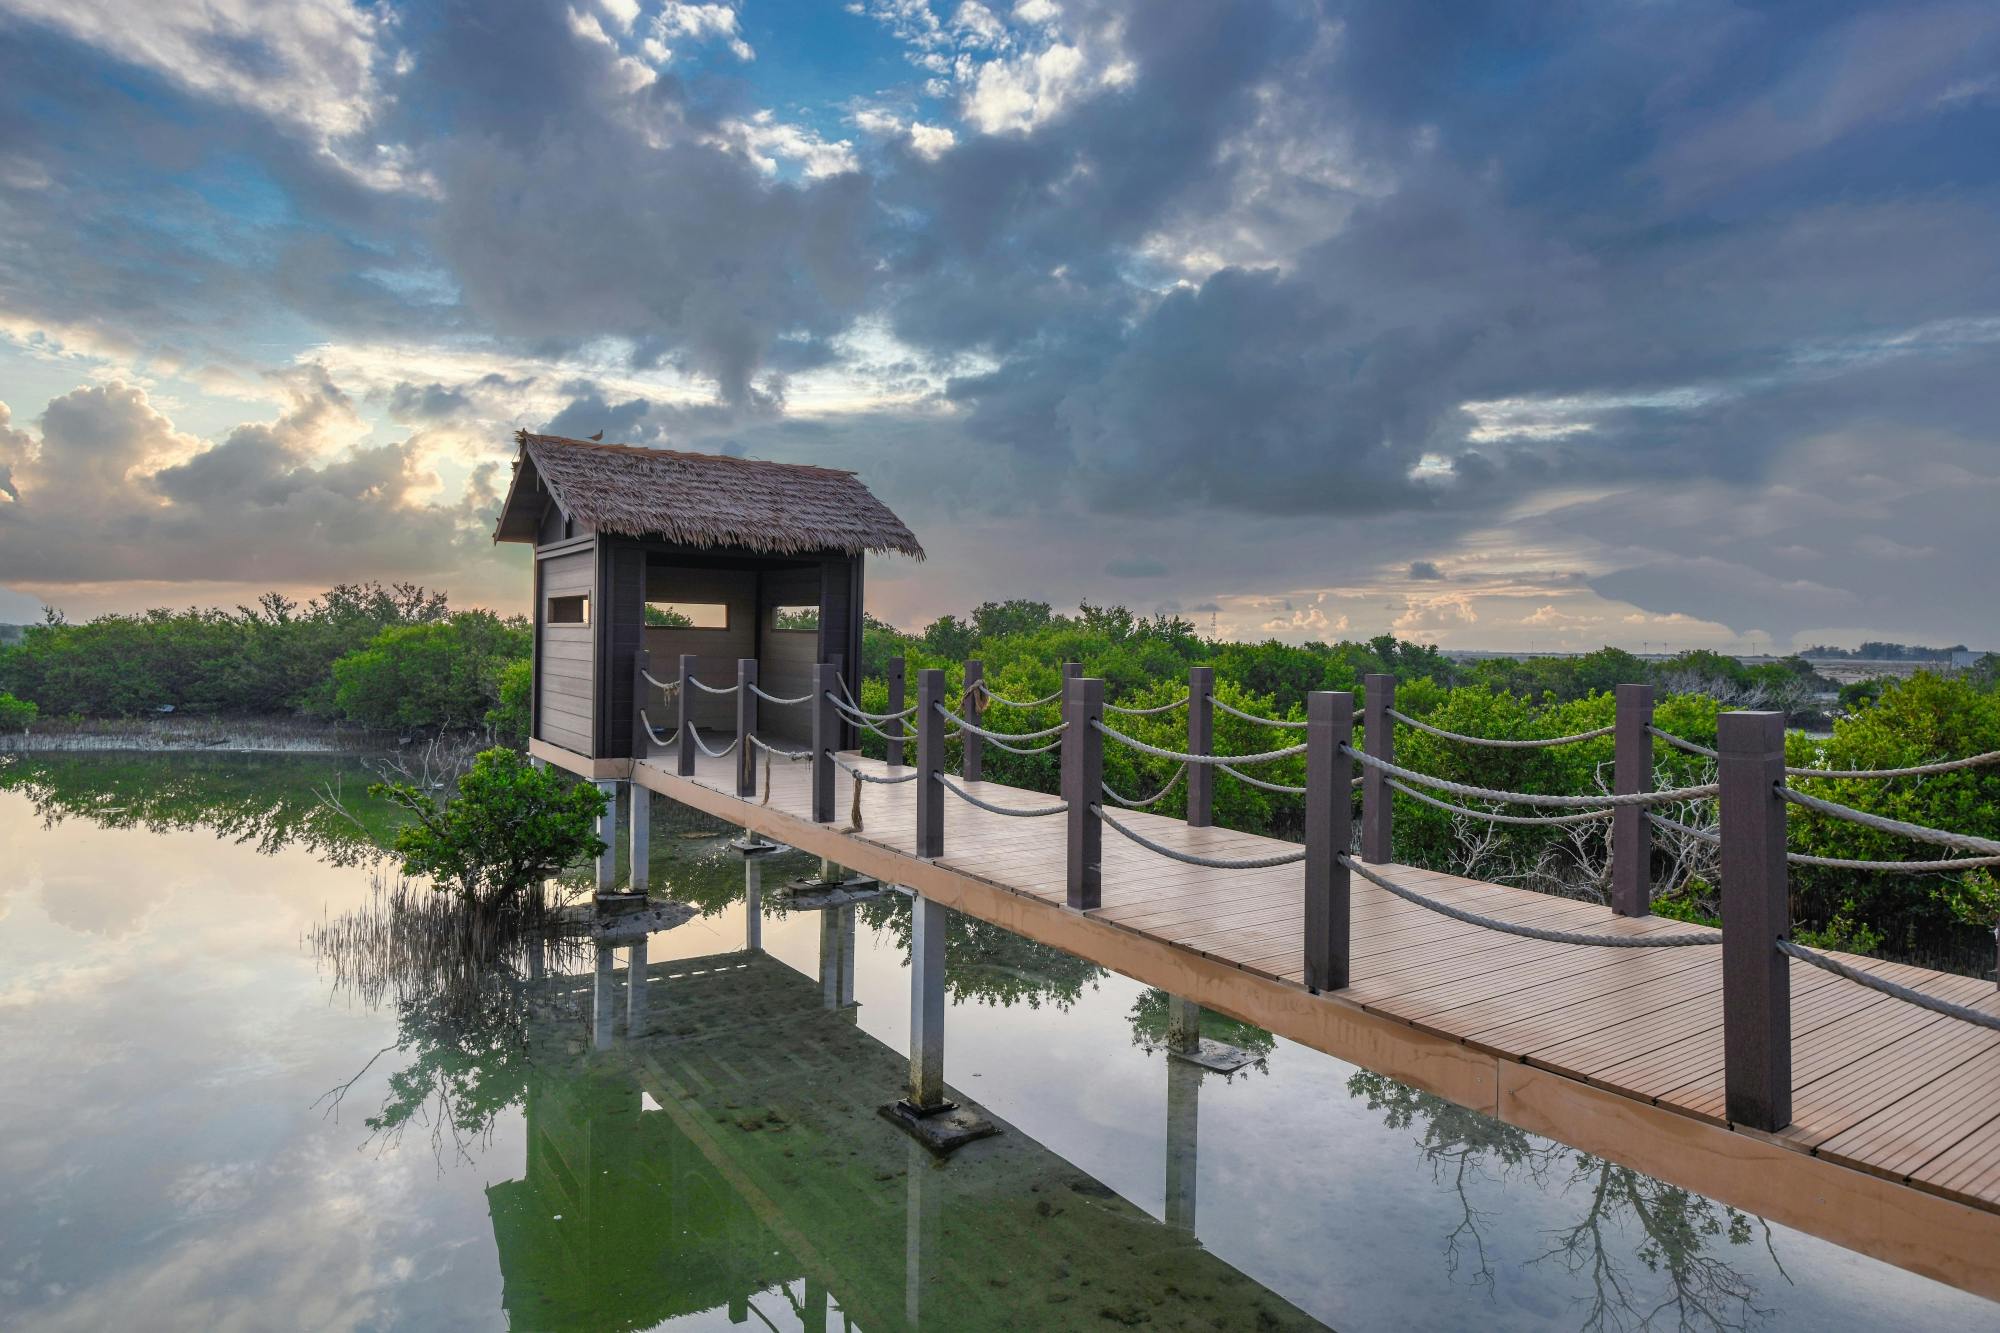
<point x="1498" y="326"/>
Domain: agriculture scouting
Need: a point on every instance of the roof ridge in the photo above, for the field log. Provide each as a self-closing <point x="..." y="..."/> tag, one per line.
<point x="648" y="451"/>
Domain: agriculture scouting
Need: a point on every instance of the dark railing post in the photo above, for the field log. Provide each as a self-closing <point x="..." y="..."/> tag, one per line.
<point x="825" y="739"/>
<point x="746" y="727"/>
<point x="1756" y="913"/>
<point x="1376" y="812"/>
<point x="1082" y="789"/>
<point x="642" y="740"/>
<point x="973" y="706"/>
<point x="1201" y="740"/>
<point x="1329" y="833"/>
<point x="930" y="762"/>
<point x="1070" y="671"/>
<point x="1631" y="835"/>
<point x="684" y="758"/>
<point x="897" y="691"/>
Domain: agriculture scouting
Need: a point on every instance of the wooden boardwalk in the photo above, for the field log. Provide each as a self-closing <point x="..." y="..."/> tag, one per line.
<point x="1894" y="1149"/>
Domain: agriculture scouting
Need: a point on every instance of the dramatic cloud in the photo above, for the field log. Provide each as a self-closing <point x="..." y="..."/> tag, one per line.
<point x="1495" y="324"/>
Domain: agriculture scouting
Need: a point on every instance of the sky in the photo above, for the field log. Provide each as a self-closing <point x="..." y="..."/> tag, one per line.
<point x="1513" y="326"/>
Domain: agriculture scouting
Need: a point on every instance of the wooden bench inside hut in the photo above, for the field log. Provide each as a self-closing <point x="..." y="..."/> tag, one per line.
<point x="681" y="553"/>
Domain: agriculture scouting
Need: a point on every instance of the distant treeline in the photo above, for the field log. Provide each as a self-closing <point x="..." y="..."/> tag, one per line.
<point x="395" y="657"/>
<point x="1874" y="650"/>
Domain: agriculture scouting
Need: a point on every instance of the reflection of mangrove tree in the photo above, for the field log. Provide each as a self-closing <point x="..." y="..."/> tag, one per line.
<point x="459" y="982"/>
<point x="987" y="963"/>
<point x="267" y="801"/>
<point x="1701" y="1290"/>
<point x="1149" y="1027"/>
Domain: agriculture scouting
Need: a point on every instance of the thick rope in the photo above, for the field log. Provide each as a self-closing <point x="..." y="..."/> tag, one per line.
<point x="668" y="685"/>
<point x="1022" y="749"/>
<point x="1252" y="717"/>
<point x="782" y="703"/>
<point x="1148" y="712"/>
<point x="1665" y="797"/>
<point x="1001" y="736"/>
<point x="859" y="712"/>
<point x="860" y="776"/>
<point x="993" y="698"/>
<point x="650" y="731"/>
<point x="1534" y="744"/>
<point x="1129" y="803"/>
<point x="1492" y="817"/>
<point x="1887" y="987"/>
<point x="1915" y="771"/>
<point x="1940" y="837"/>
<point x="712" y="689"/>
<point x="1282" y="788"/>
<point x="966" y="796"/>
<point x="723" y="753"/>
<point x="1529" y="932"/>
<point x="1842" y="862"/>
<point x="1680" y="744"/>
<point x="1186" y="758"/>
<point x="792" y="756"/>
<point x="1208" y="862"/>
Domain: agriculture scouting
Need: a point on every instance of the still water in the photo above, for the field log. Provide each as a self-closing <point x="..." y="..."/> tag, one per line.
<point x="249" y="1084"/>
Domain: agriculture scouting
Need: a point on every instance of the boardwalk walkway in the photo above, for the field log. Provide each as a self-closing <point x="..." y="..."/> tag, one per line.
<point x="1894" y="1147"/>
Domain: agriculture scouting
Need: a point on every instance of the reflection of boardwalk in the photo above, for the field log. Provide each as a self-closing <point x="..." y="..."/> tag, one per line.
<point x="733" y="1154"/>
<point x="1619" y="1052"/>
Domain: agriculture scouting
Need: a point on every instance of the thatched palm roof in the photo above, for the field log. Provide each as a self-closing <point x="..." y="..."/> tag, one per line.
<point x="703" y="499"/>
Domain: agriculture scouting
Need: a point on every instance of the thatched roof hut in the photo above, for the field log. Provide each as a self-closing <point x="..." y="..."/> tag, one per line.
<point x="705" y="500"/>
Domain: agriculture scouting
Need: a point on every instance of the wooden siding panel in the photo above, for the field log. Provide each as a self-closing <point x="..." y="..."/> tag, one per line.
<point x="565" y="686"/>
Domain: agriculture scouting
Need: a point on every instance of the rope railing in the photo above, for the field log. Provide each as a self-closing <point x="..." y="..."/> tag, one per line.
<point x="1667" y="796"/>
<point x="774" y="699"/>
<point x="1534" y="743"/>
<point x="1410" y="895"/>
<point x="1859" y="774"/>
<point x="1282" y="788"/>
<point x="668" y="685"/>
<point x="1186" y="758"/>
<point x="1001" y="736"/>
<point x="860" y="713"/>
<point x="1181" y="702"/>
<point x="790" y="756"/>
<point x="993" y="698"/>
<point x="1190" y="858"/>
<point x="1840" y="862"/>
<point x="1252" y="717"/>
<point x="699" y="744"/>
<point x="653" y="731"/>
<point x="1964" y="842"/>
<point x="1494" y="816"/>
<point x="711" y="689"/>
<point x="1061" y="807"/>
<point x="1030" y="750"/>
<point x="1154" y="799"/>
<point x="1887" y="987"/>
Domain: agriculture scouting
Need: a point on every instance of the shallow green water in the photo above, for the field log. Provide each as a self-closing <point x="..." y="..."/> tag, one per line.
<point x="244" y="1090"/>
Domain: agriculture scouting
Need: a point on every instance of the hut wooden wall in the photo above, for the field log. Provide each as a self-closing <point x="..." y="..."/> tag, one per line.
<point x="718" y="649"/>
<point x="566" y="655"/>
<point x="786" y="658"/>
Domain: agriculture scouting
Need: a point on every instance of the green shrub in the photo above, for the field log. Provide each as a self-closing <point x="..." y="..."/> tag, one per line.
<point x="16" y="714"/>
<point x="510" y="827"/>
<point x="441" y="676"/>
<point x="509" y="719"/>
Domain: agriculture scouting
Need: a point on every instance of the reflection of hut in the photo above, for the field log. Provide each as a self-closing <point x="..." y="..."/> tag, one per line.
<point x="722" y="557"/>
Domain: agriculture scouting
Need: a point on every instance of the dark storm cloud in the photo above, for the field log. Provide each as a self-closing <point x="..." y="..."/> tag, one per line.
<point x="1425" y="571"/>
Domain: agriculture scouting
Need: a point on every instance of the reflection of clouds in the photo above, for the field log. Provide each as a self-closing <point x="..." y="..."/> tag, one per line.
<point x="100" y="902"/>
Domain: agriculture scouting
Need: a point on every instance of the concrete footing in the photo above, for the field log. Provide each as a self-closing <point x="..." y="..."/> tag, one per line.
<point x="943" y="1129"/>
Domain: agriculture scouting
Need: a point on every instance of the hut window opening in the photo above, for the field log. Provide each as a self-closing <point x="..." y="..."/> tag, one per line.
<point x="799" y="619"/>
<point x="574" y="610"/>
<point x="688" y="615"/>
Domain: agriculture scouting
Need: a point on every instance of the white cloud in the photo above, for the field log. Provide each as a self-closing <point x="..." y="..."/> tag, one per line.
<point x="708" y="22"/>
<point x="765" y="140"/>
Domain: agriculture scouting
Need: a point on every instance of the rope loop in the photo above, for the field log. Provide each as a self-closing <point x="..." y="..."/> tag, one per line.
<point x="668" y="685"/>
<point x="1494" y="817"/>
<point x="860" y="776"/>
<point x="1964" y="842"/>
<point x="993" y="698"/>
<point x="1207" y="862"/>
<point x="1156" y="797"/>
<point x="712" y="689"/>
<point x="1000" y="736"/>
<point x="1187" y="758"/>
<point x="962" y="794"/>
<point x="1409" y="895"/>
<point x="1252" y="717"/>
<point x="1666" y="797"/>
<point x="1537" y="743"/>
<point x="1181" y="702"/>
<point x="723" y="753"/>
<point x="1887" y="987"/>
<point x="782" y="703"/>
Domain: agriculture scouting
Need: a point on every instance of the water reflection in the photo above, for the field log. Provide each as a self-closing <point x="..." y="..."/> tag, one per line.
<point x="988" y="964"/>
<point x="1680" y="1230"/>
